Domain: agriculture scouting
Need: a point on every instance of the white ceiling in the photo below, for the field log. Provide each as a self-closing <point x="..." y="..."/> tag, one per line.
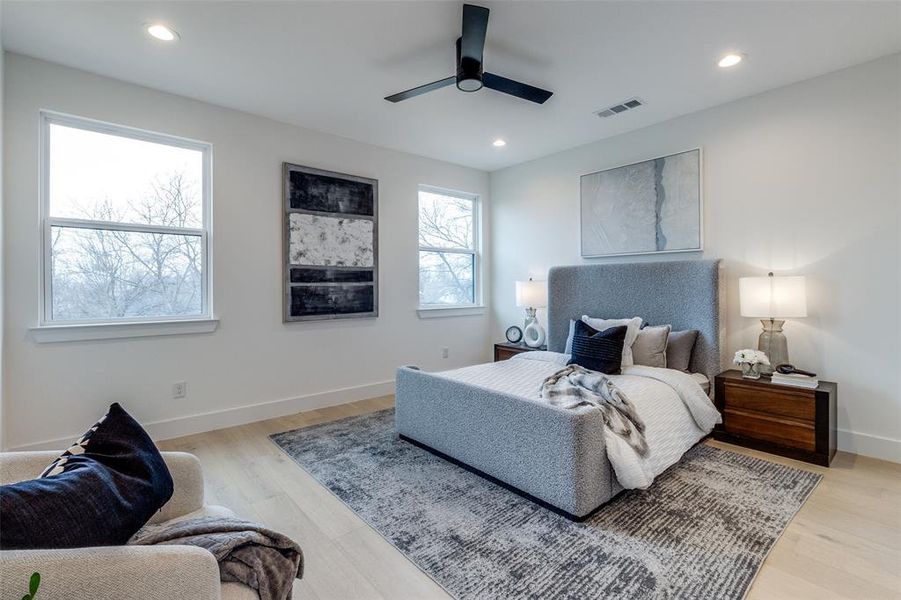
<point x="327" y="65"/>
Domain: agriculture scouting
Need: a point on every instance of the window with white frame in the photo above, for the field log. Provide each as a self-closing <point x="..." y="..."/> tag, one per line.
<point x="126" y="218"/>
<point x="448" y="248"/>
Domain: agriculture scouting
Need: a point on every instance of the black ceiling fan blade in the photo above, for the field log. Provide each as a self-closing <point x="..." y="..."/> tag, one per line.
<point x="417" y="91"/>
<point x="475" y="27"/>
<point x="515" y="88"/>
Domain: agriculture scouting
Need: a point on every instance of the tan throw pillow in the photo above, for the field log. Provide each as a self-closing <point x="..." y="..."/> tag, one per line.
<point x="649" y="348"/>
<point x="679" y="349"/>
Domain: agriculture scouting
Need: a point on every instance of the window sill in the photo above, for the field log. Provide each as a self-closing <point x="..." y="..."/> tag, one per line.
<point x="110" y="331"/>
<point x="437" y="312"/>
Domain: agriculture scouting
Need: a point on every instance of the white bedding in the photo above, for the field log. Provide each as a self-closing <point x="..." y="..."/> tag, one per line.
<point x="675" y="409"/>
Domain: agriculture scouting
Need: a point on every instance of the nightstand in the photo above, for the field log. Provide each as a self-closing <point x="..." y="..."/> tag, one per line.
<point x="790" y="421"/>
<point x="506" y="350"/>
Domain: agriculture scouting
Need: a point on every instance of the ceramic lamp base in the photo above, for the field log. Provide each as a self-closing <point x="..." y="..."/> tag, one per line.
<point x="530" y="318"/>
<point x="773" y="343"/>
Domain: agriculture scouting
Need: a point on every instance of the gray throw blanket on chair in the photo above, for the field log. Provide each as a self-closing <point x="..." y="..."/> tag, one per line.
<point x="576" y="385"/>
<point x="260" y="558"/>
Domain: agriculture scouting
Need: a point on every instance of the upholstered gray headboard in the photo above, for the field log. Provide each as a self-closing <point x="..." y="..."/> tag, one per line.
<point x="684" y="294"/>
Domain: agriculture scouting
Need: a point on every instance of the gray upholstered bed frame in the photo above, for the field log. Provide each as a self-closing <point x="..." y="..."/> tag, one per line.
<point x="684" y="294"/>
<point x="553" y="455"/>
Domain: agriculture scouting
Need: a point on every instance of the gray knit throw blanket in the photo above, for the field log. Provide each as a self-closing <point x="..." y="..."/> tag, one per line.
<point x="263" y="560"/>
<point x="575" y="385"/>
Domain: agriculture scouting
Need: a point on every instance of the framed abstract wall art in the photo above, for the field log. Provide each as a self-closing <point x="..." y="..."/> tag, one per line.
<point x="648" y="207"/>
<point x="330" y="244"/>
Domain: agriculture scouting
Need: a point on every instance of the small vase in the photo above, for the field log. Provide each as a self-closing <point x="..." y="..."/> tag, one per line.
<point x="749" y="371"/>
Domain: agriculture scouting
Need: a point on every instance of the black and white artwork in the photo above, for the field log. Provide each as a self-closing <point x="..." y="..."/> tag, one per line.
<point x="331" y="245"/>
<point x="643" y="208"/>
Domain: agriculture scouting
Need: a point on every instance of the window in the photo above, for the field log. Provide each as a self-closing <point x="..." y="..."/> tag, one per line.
<point x="448" y="248"/>
<point x="126" y="218"/>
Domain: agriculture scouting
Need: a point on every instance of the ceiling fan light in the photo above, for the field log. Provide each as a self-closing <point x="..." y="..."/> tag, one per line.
<point x="469" y="85"/>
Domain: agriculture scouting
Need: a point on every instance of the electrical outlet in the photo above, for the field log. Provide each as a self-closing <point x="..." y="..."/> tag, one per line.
<point x="179" y="389"/>
<point x="445" y="352"/>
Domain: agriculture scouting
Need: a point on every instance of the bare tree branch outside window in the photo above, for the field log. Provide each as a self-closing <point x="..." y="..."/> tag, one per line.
<point x="109" y="274"/>
<point x="125" y="223"/>
<point x="447" y="249"/>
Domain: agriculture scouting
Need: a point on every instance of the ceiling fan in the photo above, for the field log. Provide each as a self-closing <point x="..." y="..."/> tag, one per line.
<point x="470" y="76"/>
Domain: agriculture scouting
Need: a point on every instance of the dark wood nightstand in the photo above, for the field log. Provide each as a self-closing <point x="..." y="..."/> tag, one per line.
<point x="790" y="421"/>
<point x="506" y="350"/>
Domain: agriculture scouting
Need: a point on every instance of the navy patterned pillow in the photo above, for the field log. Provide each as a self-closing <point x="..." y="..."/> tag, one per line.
<point x="99" y="492"/>
<point x="81" y="444"/>
<point x="598" y="350"/>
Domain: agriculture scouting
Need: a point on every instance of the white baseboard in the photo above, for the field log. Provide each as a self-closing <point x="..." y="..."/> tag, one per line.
<point x="848" y="441"/>
<point x="240" y="415"/>
<point x="869" y="445"/>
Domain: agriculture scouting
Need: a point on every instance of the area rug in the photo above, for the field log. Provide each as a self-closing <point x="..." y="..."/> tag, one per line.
<point x="701" y="531"/>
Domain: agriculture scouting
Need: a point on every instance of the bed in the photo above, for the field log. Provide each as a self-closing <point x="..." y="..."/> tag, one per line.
<point x="489" y="419"/>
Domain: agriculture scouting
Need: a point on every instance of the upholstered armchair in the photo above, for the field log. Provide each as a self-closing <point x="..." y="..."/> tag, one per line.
<point x="121" y="572"/>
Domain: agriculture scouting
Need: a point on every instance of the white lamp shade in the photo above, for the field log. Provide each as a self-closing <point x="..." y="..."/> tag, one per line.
<point x="531" y="294"/>
<point x="773" y="297"/>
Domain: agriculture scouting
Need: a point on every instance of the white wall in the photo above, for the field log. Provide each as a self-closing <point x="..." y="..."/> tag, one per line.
<point x="2" y="330"/>
<point x="55" y="391"/>
<point x="802" y="180"/>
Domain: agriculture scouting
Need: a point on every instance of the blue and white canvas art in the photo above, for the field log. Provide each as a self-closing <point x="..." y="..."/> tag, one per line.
<point x="643" y="208"/>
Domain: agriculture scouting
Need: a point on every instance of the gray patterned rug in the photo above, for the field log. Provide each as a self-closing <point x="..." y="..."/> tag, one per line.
<point x="701" y="531"/>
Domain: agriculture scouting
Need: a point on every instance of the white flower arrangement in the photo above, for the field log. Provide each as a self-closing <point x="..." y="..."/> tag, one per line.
<point x="750" y="357"/>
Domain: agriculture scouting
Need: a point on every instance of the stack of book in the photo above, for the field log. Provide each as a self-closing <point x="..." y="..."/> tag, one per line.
<point x="796" y="380"/>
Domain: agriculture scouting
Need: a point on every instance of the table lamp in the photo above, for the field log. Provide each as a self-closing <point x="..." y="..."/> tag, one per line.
<point x="532" y="295"/>
<point x="773" y="299"/>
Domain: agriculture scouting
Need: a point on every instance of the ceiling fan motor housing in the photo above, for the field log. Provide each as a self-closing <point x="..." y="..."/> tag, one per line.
<point x="469" y="72"/>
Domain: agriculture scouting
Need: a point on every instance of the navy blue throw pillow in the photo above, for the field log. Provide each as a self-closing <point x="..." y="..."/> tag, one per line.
<point x="598" y="350"/>
<point x="101" y="490"/>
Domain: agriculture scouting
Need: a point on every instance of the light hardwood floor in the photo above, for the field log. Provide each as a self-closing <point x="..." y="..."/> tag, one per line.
<point x="844" y="543"/>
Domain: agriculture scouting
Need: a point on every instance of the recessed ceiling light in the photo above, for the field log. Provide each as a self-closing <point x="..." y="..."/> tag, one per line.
<point x="498" y="143"/>
<point x="161" y="32"/>
<point x="729" y="60"/>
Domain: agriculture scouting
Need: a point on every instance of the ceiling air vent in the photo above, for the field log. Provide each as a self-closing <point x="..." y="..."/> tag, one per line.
<point x="619" y="108"/>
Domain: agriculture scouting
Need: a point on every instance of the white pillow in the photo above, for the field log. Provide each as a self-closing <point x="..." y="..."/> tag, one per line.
<point x="633" y="326"/>
<point x="569" y="338"/>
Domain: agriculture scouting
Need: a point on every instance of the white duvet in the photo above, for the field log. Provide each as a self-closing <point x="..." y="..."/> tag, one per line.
<point x="676" y="411"/>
